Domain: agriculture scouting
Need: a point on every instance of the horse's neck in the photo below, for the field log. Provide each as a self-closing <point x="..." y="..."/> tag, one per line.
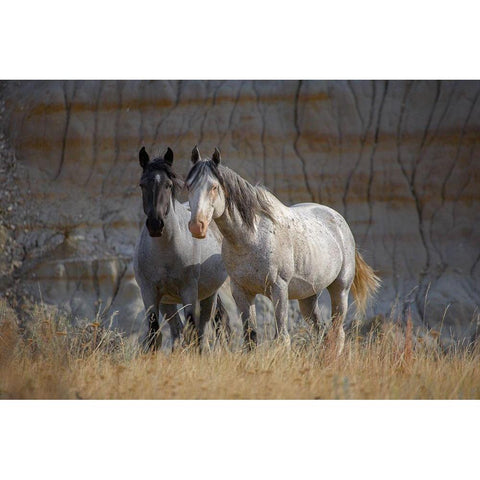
<point x="234" y="231"/>
<point x="238" y="234"/>
<point x="172" y="225"/>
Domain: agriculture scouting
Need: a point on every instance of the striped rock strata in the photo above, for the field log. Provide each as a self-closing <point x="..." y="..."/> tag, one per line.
<point x="399" y="159"/>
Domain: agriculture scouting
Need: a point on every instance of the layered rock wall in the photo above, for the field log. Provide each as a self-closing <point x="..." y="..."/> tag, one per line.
<point x="399" y="159"/>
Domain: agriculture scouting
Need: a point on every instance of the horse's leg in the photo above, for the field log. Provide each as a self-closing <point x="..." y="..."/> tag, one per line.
<point x="153" y="340"/>
<point x="189" y="300"/>
<point x="170" y="313"/>
<point x="280" y="305"/>
<point x="311" y="313"/>
<point x="339" y="299"/>
<point x="246" y="305"/>
<point x="221" y="322"/>
<point x="207" y="309"/>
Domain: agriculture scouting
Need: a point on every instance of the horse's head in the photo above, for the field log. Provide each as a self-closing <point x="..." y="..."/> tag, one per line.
<point x="206" y="194"/>
<point x="158" y="184"/>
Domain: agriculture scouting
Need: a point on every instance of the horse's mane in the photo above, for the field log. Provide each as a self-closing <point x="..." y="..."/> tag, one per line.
<point x="249" y="200"/>
<point x="159" y="164"/>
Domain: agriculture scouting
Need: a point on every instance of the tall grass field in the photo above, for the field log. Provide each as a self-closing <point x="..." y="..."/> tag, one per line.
<point x="53" y="360"/>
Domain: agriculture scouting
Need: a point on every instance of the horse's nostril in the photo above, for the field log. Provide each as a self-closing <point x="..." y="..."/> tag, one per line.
<point x="155" y="226"/>
<point x="197" y="228"/>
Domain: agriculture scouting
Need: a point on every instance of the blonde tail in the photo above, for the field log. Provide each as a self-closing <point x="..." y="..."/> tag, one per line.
<point x="365" y="283"/>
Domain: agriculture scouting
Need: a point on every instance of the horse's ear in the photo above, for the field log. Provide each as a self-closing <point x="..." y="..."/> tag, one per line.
<point x="216" y="156"/>
<point x="143" y="157"/>
<point x="195" y="154"/>
<point x="168" y="156"/>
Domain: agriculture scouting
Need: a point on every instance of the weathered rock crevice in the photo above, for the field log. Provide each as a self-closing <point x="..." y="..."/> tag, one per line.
<point x="398" y="159"/>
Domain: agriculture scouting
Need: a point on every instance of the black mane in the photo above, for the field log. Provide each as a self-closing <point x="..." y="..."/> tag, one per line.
<point x="249" y="200"/>
<point x="160" y="165"/>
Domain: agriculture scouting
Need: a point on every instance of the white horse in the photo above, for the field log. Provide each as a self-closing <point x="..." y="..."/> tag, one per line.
<point x="278" y="251"/>
<point x="170" y="266"/>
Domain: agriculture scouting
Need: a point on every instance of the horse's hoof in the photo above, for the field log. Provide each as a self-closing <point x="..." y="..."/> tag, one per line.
<point x="283" y="340"/>
<point x="153" y="343"/>
<point x="249" y="345"/>
<point x="157" y="342"/>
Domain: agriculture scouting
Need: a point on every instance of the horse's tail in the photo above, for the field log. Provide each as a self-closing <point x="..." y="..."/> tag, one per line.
<point x="365" y="283"/>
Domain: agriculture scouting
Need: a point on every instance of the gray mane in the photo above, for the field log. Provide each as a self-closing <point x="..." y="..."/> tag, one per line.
<point x="249" y="200"/>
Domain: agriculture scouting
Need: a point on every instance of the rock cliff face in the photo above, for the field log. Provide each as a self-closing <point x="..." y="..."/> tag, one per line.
<point x="399" y="159"/>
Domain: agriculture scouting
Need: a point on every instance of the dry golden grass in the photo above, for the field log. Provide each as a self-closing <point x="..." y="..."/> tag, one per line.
<point x="53" y="361"/>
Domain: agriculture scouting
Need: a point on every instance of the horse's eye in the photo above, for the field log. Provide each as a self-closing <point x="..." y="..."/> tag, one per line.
<point x="169" y="185"/>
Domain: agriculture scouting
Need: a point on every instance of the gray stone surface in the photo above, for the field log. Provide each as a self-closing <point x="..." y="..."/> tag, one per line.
<point x="399" y="159"/>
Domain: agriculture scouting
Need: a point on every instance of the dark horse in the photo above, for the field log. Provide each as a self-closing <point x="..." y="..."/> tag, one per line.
<point x="171" y="267"/>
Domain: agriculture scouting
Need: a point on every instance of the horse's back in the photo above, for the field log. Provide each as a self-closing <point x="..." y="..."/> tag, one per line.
<point x="324" y="247"/>
<point x="317" y="211"/>
<point x="328" y="217"/>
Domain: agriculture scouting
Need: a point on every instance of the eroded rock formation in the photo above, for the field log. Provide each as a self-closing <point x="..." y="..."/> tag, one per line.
<point x="398" y="159"/>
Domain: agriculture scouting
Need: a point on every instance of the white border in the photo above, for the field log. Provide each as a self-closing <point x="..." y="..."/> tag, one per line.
<point x="211" y="39"/>
<point x="239" y="439"/>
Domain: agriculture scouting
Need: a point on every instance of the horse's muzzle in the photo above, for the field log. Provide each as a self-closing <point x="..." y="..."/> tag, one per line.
<point x="155" y="227"/>
<point x="198" y="229"/>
